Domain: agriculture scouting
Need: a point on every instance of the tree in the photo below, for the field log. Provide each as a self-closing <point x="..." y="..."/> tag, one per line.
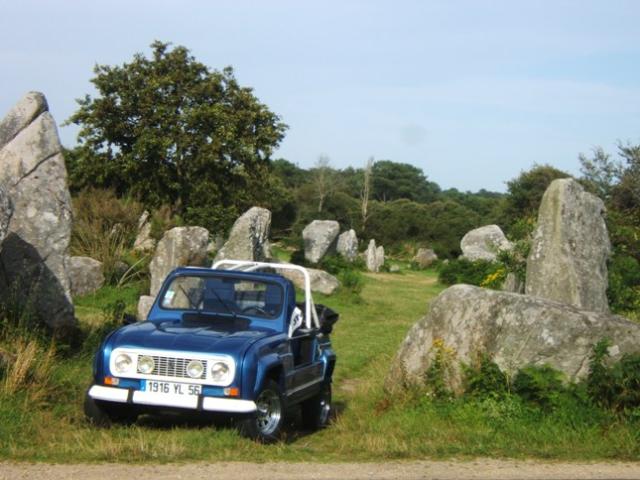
<point x="392" y="181"/>
<point x="525" y="193"/>
<point x="365" y="194"/>
<point x="600" y="172"/>
<point x="323" y="180"/>
<point x="168" y="130"/>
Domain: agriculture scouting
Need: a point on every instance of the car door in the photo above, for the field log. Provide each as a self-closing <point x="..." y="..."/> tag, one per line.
<point x="307" y="372"/>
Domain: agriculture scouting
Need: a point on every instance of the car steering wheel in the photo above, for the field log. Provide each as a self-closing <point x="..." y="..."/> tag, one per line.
<point x="256" y="309"/>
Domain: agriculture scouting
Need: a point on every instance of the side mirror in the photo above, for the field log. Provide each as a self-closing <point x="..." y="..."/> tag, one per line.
<point x="128" y="319"/>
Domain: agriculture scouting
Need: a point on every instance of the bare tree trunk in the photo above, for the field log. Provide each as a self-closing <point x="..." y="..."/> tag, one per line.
<point x="366" y="192"/>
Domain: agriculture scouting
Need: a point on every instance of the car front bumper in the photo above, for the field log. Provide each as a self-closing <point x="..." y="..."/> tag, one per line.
<point x="138" y="397"/>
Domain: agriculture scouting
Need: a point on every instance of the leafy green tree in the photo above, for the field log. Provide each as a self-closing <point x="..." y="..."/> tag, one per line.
<point x="525" y="194"/>
<point x="392" y="181"/>
<point x="168" y="130"/>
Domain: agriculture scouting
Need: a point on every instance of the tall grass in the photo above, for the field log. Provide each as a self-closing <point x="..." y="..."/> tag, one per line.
<point x="105" y="228"/>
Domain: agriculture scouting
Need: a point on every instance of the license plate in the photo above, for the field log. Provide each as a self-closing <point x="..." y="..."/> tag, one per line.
<point x="171" y="388"/>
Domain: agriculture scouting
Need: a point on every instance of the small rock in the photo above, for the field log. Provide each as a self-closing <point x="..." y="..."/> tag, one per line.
<point x="425" y="257"/>
<point x="484" y="243"/>
<point x="144" y="242"/>
<point x="86" y="275"/>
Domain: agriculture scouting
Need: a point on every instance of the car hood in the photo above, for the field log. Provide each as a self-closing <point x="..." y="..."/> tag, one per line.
<point x="172" y="335"/>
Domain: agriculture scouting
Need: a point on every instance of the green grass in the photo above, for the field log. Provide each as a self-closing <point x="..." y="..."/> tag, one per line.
<point x="369" y="425"/>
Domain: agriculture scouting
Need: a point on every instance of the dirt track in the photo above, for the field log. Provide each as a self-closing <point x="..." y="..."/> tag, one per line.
<point x="459" y="470"/>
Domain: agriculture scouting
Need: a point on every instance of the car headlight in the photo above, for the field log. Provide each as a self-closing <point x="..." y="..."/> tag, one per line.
<point x="146" y="364"/>
<point x="220" y="372"/>
<point x="123" y="363"/>
<point x="195" y="368"/>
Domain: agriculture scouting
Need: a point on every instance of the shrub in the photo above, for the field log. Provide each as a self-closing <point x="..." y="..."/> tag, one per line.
<point x="352" y="281"/>
<point x="615" y="386"/>
<point x="485" y="379"/>
<point x="465" y="271"/>
<point x="441" y="368"/>
<point x="624" y="284"/>
<point x="541" y="385"/>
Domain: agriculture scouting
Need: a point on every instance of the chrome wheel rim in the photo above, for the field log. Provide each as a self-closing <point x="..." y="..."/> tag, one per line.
<point x="269" y="412"/>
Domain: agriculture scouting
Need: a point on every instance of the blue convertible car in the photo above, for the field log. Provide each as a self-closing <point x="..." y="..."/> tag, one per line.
<point x="230" y="340"/>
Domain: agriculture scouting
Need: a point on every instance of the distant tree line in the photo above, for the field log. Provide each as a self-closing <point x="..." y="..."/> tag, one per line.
<point x="192" y="144"/>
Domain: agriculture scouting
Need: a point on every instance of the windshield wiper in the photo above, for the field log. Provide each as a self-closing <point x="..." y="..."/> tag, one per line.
<point x="192" y="304"/>
<point x="229" y="309"/>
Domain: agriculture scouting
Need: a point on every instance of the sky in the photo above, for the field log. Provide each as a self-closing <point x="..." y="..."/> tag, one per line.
<point x="471" y="91"/>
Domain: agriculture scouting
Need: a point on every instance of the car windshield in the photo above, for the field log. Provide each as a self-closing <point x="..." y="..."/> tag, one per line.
<point x="230" y="295"/>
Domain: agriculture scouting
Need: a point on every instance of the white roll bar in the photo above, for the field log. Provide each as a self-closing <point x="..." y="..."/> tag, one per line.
<point x="310" y="314"/>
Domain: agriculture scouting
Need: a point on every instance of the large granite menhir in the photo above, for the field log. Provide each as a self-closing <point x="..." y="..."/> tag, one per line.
<point x="568" y="258"/>
<point x="249" y="237"/>
<point x="35" y="252"/>
<point x="179" y="247"/>
<point x="6" y="210"/>
<point x="513" y="330"/>
<point x="320" y="239"/>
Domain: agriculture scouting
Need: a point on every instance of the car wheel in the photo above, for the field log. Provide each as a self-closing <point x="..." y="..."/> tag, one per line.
<point x="316" y="411"/>
<point x="103" y="414"/>
<point x="265" y="425"/>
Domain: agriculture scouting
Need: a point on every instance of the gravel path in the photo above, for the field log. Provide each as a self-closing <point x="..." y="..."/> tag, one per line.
<point x="459" y="470"/>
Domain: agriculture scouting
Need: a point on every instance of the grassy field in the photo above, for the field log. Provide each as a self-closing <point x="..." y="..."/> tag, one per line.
<point x="45" y="421"/>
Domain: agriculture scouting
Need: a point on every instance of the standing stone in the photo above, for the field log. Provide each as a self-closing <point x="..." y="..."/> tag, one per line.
<point x="425" y="257"/>
<point x="319" y="239"/>
<point x="34" y="253"/>
<point x="249" y="237"/>
<point x="374" y="257"/>
<point x="347" y="245"/>
<point x="512" y="330"/>
<point x="86" y="275"/>
<point x="144" y="242"/>
<point x="484" y="243"/>
<point x="5" y="213"/>
<point x="321" y="281"/>
<point x="145" y="302"/>
<point x="570" y="248"/>
<point x="179" y="247"/>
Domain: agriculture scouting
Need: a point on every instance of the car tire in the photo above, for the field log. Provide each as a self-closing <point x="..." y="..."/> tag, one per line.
<point x="265" y="425"/>
<point x="316" y="411"/>
<point x="103" y="414"/>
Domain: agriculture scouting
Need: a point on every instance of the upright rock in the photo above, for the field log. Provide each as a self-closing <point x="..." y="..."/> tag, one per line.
<point x="513" y="330"/>
<point x="425" y="257"/>
<point x="143" y="241"/>
<point x="347" y="245"/>
<point x="570" y="248"/>
<point x="5" y="214"/>
<point x="319" y="239"/>
<point x="35" y="251"/>
<point x="374" y="257"/>
<point x="484" y="243"/>
<point x="249" y="237"/>
<point x="321" y="281"/>
<point x="85" y="274"/>
<point x="180" y="246"/>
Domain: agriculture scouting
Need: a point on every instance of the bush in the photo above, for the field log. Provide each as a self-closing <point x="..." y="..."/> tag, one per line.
<point x="615" y="386"/>
<point x="624" y="284"/>
<point x="465" y="271"/>
<point x="485" y="379"/>
<point x="540" y="385"/>
<point x="352" y="281"/>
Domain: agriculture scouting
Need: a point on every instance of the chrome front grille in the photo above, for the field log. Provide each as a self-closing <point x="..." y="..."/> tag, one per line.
<point x="174" y="367"/>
